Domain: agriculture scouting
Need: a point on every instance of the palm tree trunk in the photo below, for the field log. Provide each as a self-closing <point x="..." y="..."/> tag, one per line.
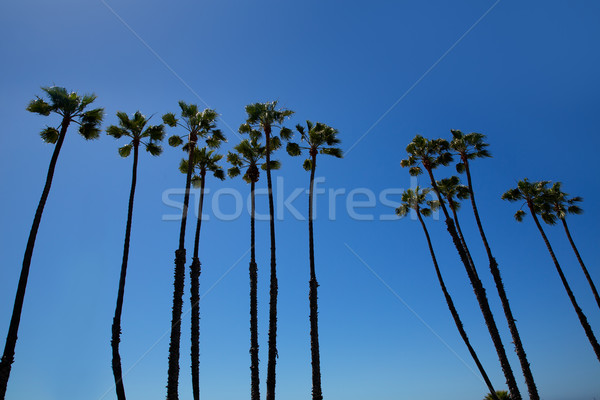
<point x="462" y="238"/>
<point x="317" y="393"/>
<point x="255" y="378"/>
<point x="514" y="332"/>
<point x="481" y="297"/>
<point x="585" y="271"/>
<point x="195" y="298"/>
<point x="178" y="286"/>
<point x="116" y="326"/>
<point x="455" y="316"/>
<point x="272" y="353"/>
<point x="582" y="318"/>
<point x="11" y="339"/>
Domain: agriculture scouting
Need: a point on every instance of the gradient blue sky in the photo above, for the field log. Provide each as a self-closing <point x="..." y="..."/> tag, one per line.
<point x="526" y="76"/>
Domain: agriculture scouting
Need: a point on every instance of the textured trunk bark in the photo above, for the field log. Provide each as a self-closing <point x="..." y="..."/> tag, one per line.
<point x="272" y="353"/>
<point x="116" y="326"/>
<point x="8" y="355"/>
<point x="455" y="316"/>
<point x="195" y="270"/>
<point x="481" y="297"/>
<point x="514" y="332"/>
<point x="178" y="286"/>
<point x="317" y="393"/>
<point x="585" y="271"/>
<point x="254" y="375"/>
<point x="582" y="318"/>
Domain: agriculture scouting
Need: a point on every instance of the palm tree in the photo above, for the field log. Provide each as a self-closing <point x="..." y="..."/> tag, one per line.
<point x="558" y="206"/>
<point x="263" y="117"/>
<point x="203" y="160"/>
<point x="198" y="124"/>
<point x="429" y="154"/>
<point x="133" y="129"/>
<point x="319" y="138"/>
<point x="248" y="155"/>
<point x="71" y="108"/>
<point x="498" y="395"/>
<point x="533" y="194"/>
<point x="415" y="200"/>
<point x="469" y="147"/>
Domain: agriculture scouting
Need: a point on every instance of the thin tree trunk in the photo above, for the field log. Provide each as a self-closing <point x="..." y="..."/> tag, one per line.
<point x="254" y="375"/>
<point x="11" y="339"/>
<point x="455" y="316"/>
<point x="178" y="286"/>
<point x="520" y="350"/>
<point x="116" y="326"/>
<point x="462" y="238"/>
<point x="585" y="271"/>
<point x="195" y="298"/>
<point x="317" y="393"/>
<point x="481" y="297"/>
<point x="272" y="353"/>
<point x="582" y="318"/>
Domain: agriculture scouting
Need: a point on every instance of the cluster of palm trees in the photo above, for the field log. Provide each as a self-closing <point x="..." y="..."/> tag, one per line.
<point x="425" y="156"/>
<point x="249" y="155"/>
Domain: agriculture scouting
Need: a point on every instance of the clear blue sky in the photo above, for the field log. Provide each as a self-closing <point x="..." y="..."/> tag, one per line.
<point x="526" y="76"/>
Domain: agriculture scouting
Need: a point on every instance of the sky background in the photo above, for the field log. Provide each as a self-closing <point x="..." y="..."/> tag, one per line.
<point x="526" y="76"/>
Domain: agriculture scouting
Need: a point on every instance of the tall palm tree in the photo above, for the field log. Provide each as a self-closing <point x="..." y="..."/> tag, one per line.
<point x="132" y="128"/>
<point x="557" y="207"/>
<point x="71" y="108"/>
<point x="533" y="194"/>
<point x="429" y="154"/>
<point x="469" y="147"/>
<point x="197" y="124"/>
<point x="317" y="138"/>
<point x="248" y="155"/>
<point x="203" y="160"/>
<point x="263" y="117"/>
<point x="416" y="200"/>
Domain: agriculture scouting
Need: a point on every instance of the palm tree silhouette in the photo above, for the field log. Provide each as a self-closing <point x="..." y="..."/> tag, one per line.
<point x="132" y="128"/>
<point x="71" y="108"/>
<point x="533" y="194"/>
<point x="317" y="138"/>
<point x="197" y="124"/>
<point x="429" y="154"/>
<point x="248" y="155"/>
<point x="263" y="117"/>
<point x="469" y="147"/>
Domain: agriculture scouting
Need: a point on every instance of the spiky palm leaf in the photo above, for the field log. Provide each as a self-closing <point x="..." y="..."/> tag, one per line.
<point x="135" y="129"/>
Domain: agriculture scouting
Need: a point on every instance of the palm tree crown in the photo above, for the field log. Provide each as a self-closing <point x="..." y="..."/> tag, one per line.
<point x="468" y="147"/>
<point x="133" y="128"/>
<point x="415" y="200"/>
<point x="197" y="124"/>
<point x="71" y="107"/>
<point x="248" y="154"/>
<point x="452" y="189"/>
<point x="203" y="160"/>
<point x="533" y="193"/>
<point x="557" y="204"/>
<point x="429" y="153"/>
<point x="319" y="138"/>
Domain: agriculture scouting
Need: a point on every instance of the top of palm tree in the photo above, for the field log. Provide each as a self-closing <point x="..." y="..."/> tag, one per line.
<point x="198" y="124"/>
<point x="262" y="117"/>
<point x="133" y="128"/>
<point x="468" y="147"/>
<point x="72" y="108"/>
<point x="558" y="205"/>
<point x="203" y="160"/>
<point x="451" y="188"/>
<point x="429" y="153"/>
<point x="249" y="154"/>
<point x="319" y="138"/>
<point x="532" y="193"/>
<point x="500" y="394"/>
<point x="414" y="200"/>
